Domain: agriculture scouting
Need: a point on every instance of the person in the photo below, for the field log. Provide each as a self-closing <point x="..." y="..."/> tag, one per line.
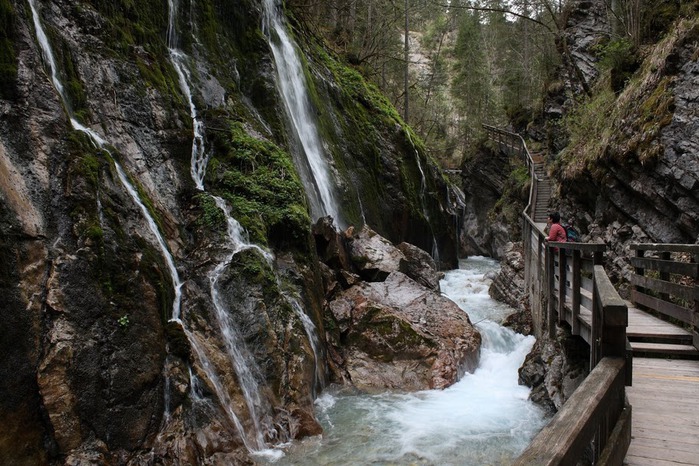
<point x="556" y="231"/>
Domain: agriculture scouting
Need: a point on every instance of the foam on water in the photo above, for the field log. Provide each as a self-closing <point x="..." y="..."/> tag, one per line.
<point x="485" y="418"/>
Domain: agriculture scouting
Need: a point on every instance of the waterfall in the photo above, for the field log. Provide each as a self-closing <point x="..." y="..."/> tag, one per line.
<point x="246" y="369"/>
<point x="423" y="187"/>
<point x="178" y="59"/>
<point x="311" y="163"/>
<point x="101" y="143"/>
<point x="238" y="354"/>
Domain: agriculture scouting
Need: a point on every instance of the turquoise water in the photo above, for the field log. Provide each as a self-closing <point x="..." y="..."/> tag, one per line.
<point x="484" y="419"/>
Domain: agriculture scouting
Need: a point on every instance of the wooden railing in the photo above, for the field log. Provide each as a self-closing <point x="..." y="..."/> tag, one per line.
<point x="671" y="288"/>
<point x="513" y="144"/>
<point x="567" y="283"/>
<point x="596" y="420"/>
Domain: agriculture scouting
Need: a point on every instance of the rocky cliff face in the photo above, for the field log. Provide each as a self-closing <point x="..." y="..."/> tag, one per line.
<point x="97" y="366"/>
<point x="628" y="171"/>
<point x="633" y="176"/>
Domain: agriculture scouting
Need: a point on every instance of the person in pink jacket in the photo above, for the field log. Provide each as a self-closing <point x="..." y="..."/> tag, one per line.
<point x="556" y="231"/>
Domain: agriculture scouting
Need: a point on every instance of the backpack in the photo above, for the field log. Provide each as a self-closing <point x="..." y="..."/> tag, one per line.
<point x="572" y="234"/>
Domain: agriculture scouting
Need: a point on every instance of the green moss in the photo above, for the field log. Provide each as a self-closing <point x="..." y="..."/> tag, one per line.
<point x="357" y="89"/>
<point x="132" y="22"/>
<point x="260" y="183"/>
<point x="94" y="232"/>
<point x="160" y="75"/>
<point x="211" y="216"/>
<point x="589" y="130"/>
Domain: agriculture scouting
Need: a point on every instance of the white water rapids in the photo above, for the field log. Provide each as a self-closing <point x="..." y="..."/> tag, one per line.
<point x="484" y="419"/>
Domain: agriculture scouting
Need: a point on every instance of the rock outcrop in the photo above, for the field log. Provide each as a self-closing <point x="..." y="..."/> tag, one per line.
<point x="389" y="326"/>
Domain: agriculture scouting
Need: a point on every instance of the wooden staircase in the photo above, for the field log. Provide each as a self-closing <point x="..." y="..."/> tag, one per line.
<point x="542" y="188"/>
<point x="651" y="337"/>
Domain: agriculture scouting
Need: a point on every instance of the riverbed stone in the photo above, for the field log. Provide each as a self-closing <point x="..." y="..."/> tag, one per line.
<point x="400" y="334"/>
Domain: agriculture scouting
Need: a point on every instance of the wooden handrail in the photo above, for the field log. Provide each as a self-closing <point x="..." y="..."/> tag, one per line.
<point x="596" y="412"/>
<point x="597" y="415"/>
<point x="674" y="291"/>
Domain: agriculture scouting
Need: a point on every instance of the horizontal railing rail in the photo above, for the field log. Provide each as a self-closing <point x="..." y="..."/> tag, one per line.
<point x="665" y="281"/>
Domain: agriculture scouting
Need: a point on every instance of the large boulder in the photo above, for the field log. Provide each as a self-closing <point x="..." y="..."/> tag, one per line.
<point x="373" y="256"/>
<point x="400" y="334"/>
<point x="419" y="266"/>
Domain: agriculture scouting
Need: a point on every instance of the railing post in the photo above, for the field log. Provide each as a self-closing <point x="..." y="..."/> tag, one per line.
<point x="575" y="324"/>
<point x="562" y="288"/>
<point x="639" y="270"/>
<point x="695" y="314"/>
<point x="614" y="316"/>
<point x="665" y="255"/>
<point x="594" y="326"/>
<point x="598" y="258"/>
<point x="550" y="289"/>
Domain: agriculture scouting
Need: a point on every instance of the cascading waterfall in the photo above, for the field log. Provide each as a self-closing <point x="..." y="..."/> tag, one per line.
<point x="485" y="418"/>
<point x="239" y="355"/>
<point x="178" y="59"/>
<point x="423" y="187"/>
<point x="291" y="80"/>
<point x="101" y="143"/>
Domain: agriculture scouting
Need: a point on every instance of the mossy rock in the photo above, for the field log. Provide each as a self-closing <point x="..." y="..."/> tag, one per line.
<point x="260" y="183"/>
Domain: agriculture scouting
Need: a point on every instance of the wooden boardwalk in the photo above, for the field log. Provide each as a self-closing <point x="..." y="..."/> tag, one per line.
<point x="664" y="396"/>
<point x="665" y="412"/>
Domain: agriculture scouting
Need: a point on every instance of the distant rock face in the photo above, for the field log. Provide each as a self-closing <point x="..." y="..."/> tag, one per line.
<point x="485" y="176"/>
<point x="391" y="330"/>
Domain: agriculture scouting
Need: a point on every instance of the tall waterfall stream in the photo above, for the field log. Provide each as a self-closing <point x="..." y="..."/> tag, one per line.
<point x="102" y="144"/>
<point x="484" y="419"/>
<point x="311" y="162"/>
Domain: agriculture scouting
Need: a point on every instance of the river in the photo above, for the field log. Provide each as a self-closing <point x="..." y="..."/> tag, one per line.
<point x="484" y="419"/>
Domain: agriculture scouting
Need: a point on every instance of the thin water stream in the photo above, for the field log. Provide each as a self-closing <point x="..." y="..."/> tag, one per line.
<point x="246" y="369"/>
<point x="101" y="143"/>
<point x="484" y="419"/>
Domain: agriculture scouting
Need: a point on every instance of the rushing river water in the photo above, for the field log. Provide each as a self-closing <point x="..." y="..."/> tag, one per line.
<point x="485" y="419"/>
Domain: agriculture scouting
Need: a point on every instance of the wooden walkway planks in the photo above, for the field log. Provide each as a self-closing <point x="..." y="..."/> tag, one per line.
<point x="643" y="324"/>
<point x="665" y="417"/>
